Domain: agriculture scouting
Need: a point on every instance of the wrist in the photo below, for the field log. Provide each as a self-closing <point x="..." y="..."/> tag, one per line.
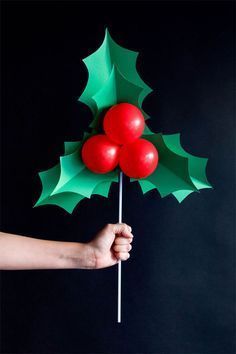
<point x="77" y="256"/>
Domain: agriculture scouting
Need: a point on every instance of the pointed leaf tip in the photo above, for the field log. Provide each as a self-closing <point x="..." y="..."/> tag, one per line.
<point x="107" y="33"/>
<point x="178" y="172"/>
<point x="69" y="182"/>
<point x="100" y="65"/>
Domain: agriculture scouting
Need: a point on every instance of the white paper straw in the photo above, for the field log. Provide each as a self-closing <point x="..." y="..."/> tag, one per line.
<point x="119" y="263"/>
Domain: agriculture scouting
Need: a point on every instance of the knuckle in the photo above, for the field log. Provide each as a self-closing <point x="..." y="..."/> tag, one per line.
<point x="109" y="226"/>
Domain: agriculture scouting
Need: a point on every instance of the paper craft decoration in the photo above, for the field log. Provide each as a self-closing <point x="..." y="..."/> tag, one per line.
<point x="120" y="142"/>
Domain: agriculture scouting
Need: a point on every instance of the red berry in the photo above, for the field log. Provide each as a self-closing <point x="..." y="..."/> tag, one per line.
<point x="138" y="159"/>
<point x="99" y="154"/>
<point x="124" y="123"/>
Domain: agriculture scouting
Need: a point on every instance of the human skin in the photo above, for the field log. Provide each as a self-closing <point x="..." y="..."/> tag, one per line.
<point x="110" y="245"/>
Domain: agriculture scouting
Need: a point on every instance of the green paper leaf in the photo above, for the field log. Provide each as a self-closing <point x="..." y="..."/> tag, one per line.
<point x="146" y="185"/>
<point x="116" y="90"/>
<point x="197" y="165"/>
<point x="172" y="173"/>
<point x="67" y="183"/>
<point x="100" y="65"/>
<point x="181" y="195"/>
<point x="103" y="188"/>
<point x="71" y="146"/>
<point x="178" y="172"/>
<point x="147" y="130"/>
<point x="49" y="179"/>
<point x="84" y="182"/>
<point x="70" y="166"/>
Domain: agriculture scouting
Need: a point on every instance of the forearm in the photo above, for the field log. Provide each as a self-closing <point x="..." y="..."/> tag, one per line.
<point x="19" y="252"/>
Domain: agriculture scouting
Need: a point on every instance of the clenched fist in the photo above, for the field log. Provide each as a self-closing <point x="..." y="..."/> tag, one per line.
<point x="112" y="243"/>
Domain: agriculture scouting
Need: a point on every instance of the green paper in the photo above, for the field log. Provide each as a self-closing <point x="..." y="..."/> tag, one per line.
<point x="178" y="172"/>
<point x="71" y="146"/>
<point x="172" y="172"/>
<point x="70" y="181"/>
<point x="100" y="65"/>
<point x="49" y="180"/>
<point x="145" y="185"/>
<point x="116" y="90"/>
<point x="197" y="165"/>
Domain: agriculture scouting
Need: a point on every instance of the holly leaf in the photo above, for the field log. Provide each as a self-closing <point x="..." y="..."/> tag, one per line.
<point x="117" y="89"/>
<point x="178" y="172"/>
<point x="67" y="183"/>
<point x="100" y="65"/>
<point x="49" y="179"/>
<point x="71" y="146"/>
<point x="197" y="166"/>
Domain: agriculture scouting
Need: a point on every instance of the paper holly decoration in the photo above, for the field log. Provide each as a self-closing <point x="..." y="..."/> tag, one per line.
<point x="113" y="79"/>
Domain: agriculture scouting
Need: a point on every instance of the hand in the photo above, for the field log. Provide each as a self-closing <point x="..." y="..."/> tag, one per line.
<point x="111" y="244"/>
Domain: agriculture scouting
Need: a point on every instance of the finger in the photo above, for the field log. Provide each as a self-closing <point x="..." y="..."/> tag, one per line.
<point x="123" y="229"/>
<point x="123" y="240"/>
<point x="122" y="256"/>
<point x="122" y="248"/>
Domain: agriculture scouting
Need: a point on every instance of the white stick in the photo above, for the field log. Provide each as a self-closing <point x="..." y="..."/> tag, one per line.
<point x="119" y="264"/>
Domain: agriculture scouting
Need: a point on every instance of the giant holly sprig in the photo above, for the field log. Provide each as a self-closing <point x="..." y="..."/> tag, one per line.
<point x="113" y="79"/>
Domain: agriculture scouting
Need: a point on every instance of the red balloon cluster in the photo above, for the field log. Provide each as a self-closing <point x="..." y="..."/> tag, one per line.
<point x="123" y="125"/>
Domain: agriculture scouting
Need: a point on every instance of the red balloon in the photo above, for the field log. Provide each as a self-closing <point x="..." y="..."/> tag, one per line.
<point x="138" y="159"/>
<point x="100" y="154"/>
<point x="123" y="123"/>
